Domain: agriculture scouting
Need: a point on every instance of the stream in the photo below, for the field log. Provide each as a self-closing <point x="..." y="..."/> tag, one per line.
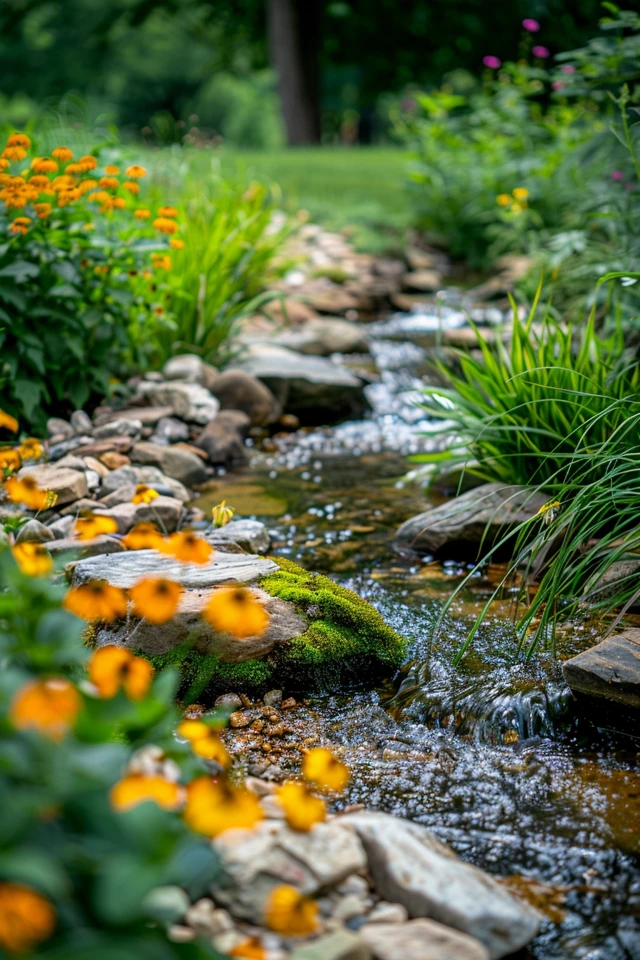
<point x="493" y="756"/>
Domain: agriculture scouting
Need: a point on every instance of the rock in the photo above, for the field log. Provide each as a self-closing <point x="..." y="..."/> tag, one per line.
<point x="222" y="441"/>
<point x="313" y="388"/>
<point x="98" y="447"/>
<point x="238" y="390"/>
<point x="410" y="866"/>
<point x="125" y="476"/>
<point x="101" y="545"/>
<point x="427" y="281"/>
<point x="341" y="945"/>
<point x="292" y="312"/>
<point x="273" y="698"/>
<point x="72" y="463"/>
<point x="170" y="430"/>
<point x="123" y="427"/>
<point x="190" y="368"/>
<point x="228" y="701"/>
<point x="166" y="904"/>
<point x="482" y="516"/>
<point x="327" y="297"/>
<point x="609" y="671"/>
<point x="178" y="464"/>
<point x="147" y="416"/>
<point x="207" y="920"/>
<point x="97" y="467"/>
<point x="85" y="505"/>
<point x="323" y="336"/>
<point x="34" y="532"/>
<point x="254" y="862"/>
<point x="420" y="940"/>
<point x="351" y="906"/>
<point x="59" y="450"/>
<point x="81" y="423"/>
<point x="251" y="535"/>
<point x="188" y="401"/>
<point x="166" y="512"/>
<point x="384" y="912"/>
<point x="60" y="528"/>
<point x="59" y="428"/>
<point x="113" y="460"/>
<point x="68" y="485"/>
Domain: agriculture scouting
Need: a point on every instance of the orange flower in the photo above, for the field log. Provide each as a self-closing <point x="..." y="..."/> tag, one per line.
<point x="290" y="913"/>
<point x="9" y="460"/>
<point x="214" y="806"/>
<point x="89" y="527"/>
<point x="26" y="918"/>
<point x="44" y="165"/>
<point x="27" y="491"/>
<point x="142" y="213"/>
<point x="4" y="164"/>
<point x="135" y="172"/>
<point x="144" y="494"/>
<point x="30" y="449"/>
<point x="20" y="225"/>
<point x="14" y="153"/>
<point x="111" y="668"/>
<point x="322" y="768"/>
<point x="112" y="170"/>
<point x="19" y="140"/>
<point x="156" y="599"/>
<point x="40" y="183"/>
<point x="87" y="163"/>
<point x="86" y="185"/>
<point x="187" y="547"/>
<point x="144" y="536"/>
<point x="161" y="261"/>
<point x="301" y="809"/>
<point x="137" y="788"/>
<point x="168" y="212"/>
<point x="250" y="949"/>
<point x="63" y="154"/>
<point x="108" y="183"/>
<point x="43" y="210"/>
<point x="131" y="186"/>
<point x="176" y="243"/>
<point x="8" y="422"/>
<point x="235" y="610"/>
<point x="99" y="196"/>
<point x="204" y="741"/>
<point x="33" y="559"/>
<point x="165" y="225"/>
<point x="48" y="706"/>
<point x="96" y="600"/>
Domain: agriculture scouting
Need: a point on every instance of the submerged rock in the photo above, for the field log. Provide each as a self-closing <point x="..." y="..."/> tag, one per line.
<point x="479" y="518"/>
<point x="609" y="671"/>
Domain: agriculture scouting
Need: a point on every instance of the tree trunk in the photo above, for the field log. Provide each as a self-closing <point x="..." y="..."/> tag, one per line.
<point x="294" y="40"/>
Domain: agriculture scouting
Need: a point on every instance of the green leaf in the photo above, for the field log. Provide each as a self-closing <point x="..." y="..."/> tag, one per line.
<point x="20" y="270"/>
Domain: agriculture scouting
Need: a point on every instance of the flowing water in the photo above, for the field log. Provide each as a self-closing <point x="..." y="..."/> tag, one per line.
<point x="494" y="756"/>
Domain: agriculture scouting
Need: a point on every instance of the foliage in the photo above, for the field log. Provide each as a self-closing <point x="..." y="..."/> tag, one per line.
<point x="78" y="290"/>
<point x="60" y="835"/>
<point x="522" y="410"/>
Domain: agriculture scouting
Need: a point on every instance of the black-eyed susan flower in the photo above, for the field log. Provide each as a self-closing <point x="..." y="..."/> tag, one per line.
<point x="142" y="213"/>
<point x="131" y="186"/>
<point x="204" y="741"/>
<point x="19" y="140"/>
<point x="49" y="706"/>
<point x="144" y="494"/>
<point x="85" y="186"/>
<point x="503" y="199"/>
<point x="14" y="153"/>
<point x="30" y="449"/>
<point x="4" y="164"/>
<point x="44" y="165"/>
<point x="33" y="559"/>
<point x="113" y="668"/>
<point x="135" y="172"/>
<point x="236" y="610"/>
<point x="89" y="527"/>
<point x="8" y="422"/>
<point x="521" y="193"/>
<point x="290" y="913"/>
<point x="109" y="183"/>
<point x="118" y="203"/>
<point x="40" y="182"/>
<point x="43" y="210"/>
<point x="87" y="163"/>
<point x="20" y="225"/>
<point x="322" y="768"/>
<point x="170" y="212"/>
<point x="176" y="243"/>
<point x="214" y="806"/>
<point x="112" y="170"/>
<point x="26" y="490"/>
<point x="156" y="599"/>
<point x="137" y="788"/>
<point x="301" y="809"/>
<point x="221" y="514"/>
<point x="63" y="154"/>
<point x="161" y="261"/>
<point x="187" y="547"/>
<point x="250" y="949"/>
<point x="165" y="225"/>
<point x="96" y="600"/>
<point x="9" y="460"/>
<point x="144" y="536"/>
<point x="26" y="918"/>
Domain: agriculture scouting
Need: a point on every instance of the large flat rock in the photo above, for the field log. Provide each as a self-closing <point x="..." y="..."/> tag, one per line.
<point x="480" y="517"/>
<point x="420" y="940"/>
<point x="609" y="671"/>
<point x="127" y="568"/>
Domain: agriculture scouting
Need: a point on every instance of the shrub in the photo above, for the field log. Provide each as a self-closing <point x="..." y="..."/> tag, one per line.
<point x="82" y="279"/>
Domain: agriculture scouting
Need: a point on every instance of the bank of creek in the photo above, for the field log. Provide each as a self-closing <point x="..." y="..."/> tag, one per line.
<point x="495" y="756"/>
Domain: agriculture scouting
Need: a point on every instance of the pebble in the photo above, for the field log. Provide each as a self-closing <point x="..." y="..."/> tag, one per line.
<point x="350" y="907"/>
<point x="229" y="701"/>
<point x="288" y="704"/>
<point x="385" y="912"/>
<point x="239" y="719"/>
<point x="273" y="698"/>
<point x="81" y="423"/>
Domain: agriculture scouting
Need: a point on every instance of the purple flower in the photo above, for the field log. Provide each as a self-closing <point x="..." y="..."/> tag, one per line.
<point x="541" y="52"/>
<point x="492" y="62"/>
<point x="531" y="25"/>
<point x="617" y="175"/>
<point x="568" y="68"/>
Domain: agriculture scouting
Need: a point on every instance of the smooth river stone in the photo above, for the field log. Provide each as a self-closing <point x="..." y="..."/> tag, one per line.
<point x="127" y="568"/>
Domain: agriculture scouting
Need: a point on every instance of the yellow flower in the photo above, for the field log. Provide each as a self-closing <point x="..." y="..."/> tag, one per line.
<point x="44" y="165"/>
<point x="144" y="494"/>
<point x="235" y="610"/>
<point x="521" y="193"/>
<point x="135" y="172"/>
<point x="137" y="788"/>
<point x="131" y="186"/>
<point x="20" y="225"/>
<point x="108" y="183"/>
<point x="19" y="140"/>
<point x="165" y="225"/>
<point x="8" y="422"/>
<point x="221" y="514"/>
<point x="112" y="668"/>
<point x="112" y="170"/>
<point x="518" y="207"/>
<point x="27" y="491"/>
<point x="4" y="164"/>
<point x="89" y="527"/>
<point x="63" y="183"/>
<point x="43" y="210"/>
<point x="204" y="741"/>
<point x="176" y="243"/>
<point x="86" y="185"/>
<point x="40" y="182"/>
<point x="144" y="536"/>
<point x="26" y="918"/>
<point x="503" y="199"/>
<point x="63" y="154"/>
<point x="96" y="600"/>
<point x="33" y="559"/>
<point x="301" y="809"/>
<point x="48" y="706"/>
<point x="87" y="163"/>
<point x="321" y="767"/>
<point x="290" y="913"/>
<point x="9" y="460"/>
<point x="161" y="261"/>
<point x="250" y="949"/>
<point x="187" y="547"/>
<point x="30" y="449"/>
<point x="14" y="153"/>
<point x="214" y="806"/>
<point x="156" y="599"/>
<point x="168" y="212"/>
<point x="142" y="213"/>
<point x="99" y="196"/>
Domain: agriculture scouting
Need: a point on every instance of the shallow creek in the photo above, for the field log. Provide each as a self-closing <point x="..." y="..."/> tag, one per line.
<point x="494" y="756"/>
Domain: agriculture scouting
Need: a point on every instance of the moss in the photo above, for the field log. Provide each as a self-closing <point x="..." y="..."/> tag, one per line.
<point x="206" y="675"/>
